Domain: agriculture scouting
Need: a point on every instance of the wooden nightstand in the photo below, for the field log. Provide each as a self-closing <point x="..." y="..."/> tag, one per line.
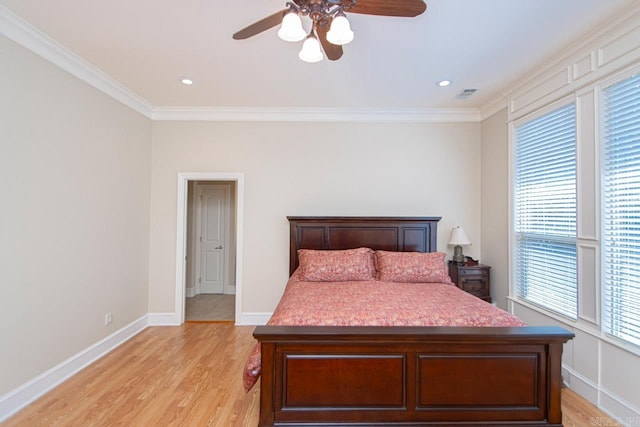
<point x="473" y="279"/>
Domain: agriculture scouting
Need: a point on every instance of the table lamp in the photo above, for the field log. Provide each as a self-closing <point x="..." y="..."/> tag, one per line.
<point x="458" y="239"/>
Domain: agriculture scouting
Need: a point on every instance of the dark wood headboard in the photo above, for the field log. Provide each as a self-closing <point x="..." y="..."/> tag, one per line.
<point x="400" y="234"/>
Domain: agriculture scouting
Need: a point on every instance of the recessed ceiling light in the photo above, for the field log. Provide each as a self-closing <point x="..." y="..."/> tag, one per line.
<point x="186" y="81"/>
<point x="443" y="83"/>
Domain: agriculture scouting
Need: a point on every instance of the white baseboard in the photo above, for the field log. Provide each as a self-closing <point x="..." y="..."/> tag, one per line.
<point x="608" y="402"/>
<point x="164" y="319"/>
<point x="171" y="319"/>
<point x="192" y="292"/>
<point x="581" y="385"/>
<point x="17" y="399"/>
<point x="253" y="318"/>
<point x="624" y="412"/>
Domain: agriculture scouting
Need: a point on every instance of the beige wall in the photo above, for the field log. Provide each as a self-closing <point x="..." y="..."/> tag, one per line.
<point x="419" y="169"/>
<point x="74" y="186"/>
<point x="495" y="203"/>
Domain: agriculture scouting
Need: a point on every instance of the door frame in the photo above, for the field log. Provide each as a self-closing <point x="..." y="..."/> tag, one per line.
<point x="181" y="240"/>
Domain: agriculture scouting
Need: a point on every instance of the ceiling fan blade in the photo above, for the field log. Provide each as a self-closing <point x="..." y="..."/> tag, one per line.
<point x="404" y="8"/>
<point x="333" y="51"/>
<point x="260" y="26"/>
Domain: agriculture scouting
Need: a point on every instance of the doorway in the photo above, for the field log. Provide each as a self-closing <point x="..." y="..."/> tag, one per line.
<point x="209" y="263"/>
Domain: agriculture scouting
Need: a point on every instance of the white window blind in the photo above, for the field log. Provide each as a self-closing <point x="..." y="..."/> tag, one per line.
<point x="545" y="211"/>
<point x="621" y="210"/>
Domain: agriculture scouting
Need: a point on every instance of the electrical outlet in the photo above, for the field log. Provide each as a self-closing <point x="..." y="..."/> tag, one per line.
<point x="108" y="318"/>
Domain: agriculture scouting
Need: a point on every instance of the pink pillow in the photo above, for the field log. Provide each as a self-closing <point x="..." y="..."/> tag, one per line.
<point x="412" y="267"/>
<point x="336" y="266"/>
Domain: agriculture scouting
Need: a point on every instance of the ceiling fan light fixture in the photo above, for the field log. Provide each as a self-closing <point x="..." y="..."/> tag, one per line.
<point x="291" y="28"/>
<point x="340" y="32"/>
<point x="311" y="51"/>
<point x="330" y="26"/>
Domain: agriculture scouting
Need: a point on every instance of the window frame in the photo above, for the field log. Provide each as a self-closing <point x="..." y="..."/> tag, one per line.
<point x="600" y="88"/>
<point x="513" y="125"/>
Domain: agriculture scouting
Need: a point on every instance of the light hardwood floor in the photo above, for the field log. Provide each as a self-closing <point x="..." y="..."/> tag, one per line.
<point x="189" y="376"/>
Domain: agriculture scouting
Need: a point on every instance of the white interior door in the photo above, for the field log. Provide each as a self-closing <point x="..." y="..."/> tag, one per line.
<point x="214" y="212"/>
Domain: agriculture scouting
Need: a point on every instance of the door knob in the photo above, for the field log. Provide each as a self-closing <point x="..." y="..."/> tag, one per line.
<point x="218" y="247"/>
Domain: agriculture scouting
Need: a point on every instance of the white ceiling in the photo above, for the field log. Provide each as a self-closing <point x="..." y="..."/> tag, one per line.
<point x="393" y="63"/>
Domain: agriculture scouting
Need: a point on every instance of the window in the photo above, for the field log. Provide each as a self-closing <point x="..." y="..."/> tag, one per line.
<point x="545" y="211"/>
<point x="621" y="209"/>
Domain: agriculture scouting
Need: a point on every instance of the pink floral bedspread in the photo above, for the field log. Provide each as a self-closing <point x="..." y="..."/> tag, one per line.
<point x="376" y="303"/>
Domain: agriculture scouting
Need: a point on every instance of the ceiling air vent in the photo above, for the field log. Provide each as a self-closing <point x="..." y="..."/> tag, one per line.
<point x="466" y="93"/>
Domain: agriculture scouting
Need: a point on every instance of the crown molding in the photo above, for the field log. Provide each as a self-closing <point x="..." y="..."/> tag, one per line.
<point x="602" y="32"/>
<point x="302" y="114"/>
<point x="21" y="32"/>
<point x="493" y="106"/>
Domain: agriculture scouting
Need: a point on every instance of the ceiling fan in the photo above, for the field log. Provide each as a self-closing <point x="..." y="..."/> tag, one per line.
<point x="330" y="27"/>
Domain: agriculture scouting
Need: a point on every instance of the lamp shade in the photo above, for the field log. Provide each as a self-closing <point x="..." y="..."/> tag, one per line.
<point x="340" y="32"/>
<point x="291" y="28"/>
<point x="311" y="51"/>
<point x="459" y="237"/>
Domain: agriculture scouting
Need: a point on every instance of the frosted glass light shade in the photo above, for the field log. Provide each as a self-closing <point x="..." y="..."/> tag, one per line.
<point x="340" y="32"/>
<point x="291" y="28"/>
<point x="311" y="51"/>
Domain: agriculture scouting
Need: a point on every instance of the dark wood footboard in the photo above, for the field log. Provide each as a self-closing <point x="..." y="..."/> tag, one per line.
<point x="410" y="376"/>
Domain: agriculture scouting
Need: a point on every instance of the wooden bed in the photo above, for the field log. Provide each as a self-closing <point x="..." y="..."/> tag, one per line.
<point x="409" y="376"/>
